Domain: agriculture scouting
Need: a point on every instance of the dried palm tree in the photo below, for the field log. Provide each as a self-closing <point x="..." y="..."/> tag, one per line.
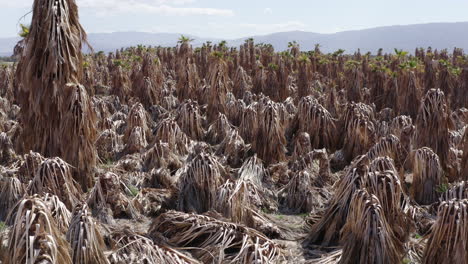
<point x="367" y="236"/>
<point x="169" y="131"/>
<point x="132" y="248"/>
<point x="314" y="119"/>
<point x="214" y="240"/>
<point x="85" y="240"/>
<point x="199" y="184"/>
<point x="447" y="241"/>
<point x="52" y="111"/>
<point x="34" y="237"/>
<point x="54" y="176"/>
<point x="11" y="191"/>
<point x="433" y="124"/>
<point x="107" y="199"/>
<point x="427" y="176"/>
<point x="457" y="191"/>
<point x="190" y="120"/>
<point x="324" y="232"/>
<point x="270" y="142"/>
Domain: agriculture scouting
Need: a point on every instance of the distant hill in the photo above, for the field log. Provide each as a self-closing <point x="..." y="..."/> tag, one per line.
<point x="436" y="35"/>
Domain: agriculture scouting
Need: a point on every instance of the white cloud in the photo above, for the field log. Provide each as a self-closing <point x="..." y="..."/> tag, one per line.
<point x="112" y="7"/>
<point x="268" y="11"/>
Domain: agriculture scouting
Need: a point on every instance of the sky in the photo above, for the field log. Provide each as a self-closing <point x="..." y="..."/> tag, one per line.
<point x="242" y="18"/>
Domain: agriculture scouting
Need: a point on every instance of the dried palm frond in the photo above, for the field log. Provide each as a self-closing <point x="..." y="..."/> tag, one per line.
<point x="11" y="191"/>
<point x="302" y="145"/>
<point x="199" y="184"/>
<point x="108" y="145"/>
<point x="317" y="163"/>
<point x="324" y="232"/>
<point x="153" y="201"/>
<point x="447" y="241"/>
<point x="132" y="248"/>
<point x="34" y="236"/>
<point x="386" y="186"/>
<point x="51" y="59"/>
<point x="360" y="130"/>
<point x="301" y="195"/>
<point x="161" y="156"/>
<point x="55" y="176"/>
<point x="214" y="240"/>
<point x="108" y="194"/>
<point x="398" y="124"/>
<point x="313" y="118"/>
<point x="169" y="131"/>
<point x="432" y="125"/>
<point x="136" y="141"/>
<point x="233" y="148"/>
<point x="249" y="124"/>
<point x="270" y="141"/>
<point x="219" y="129"/>
<point x="219" y="87"/>
<point x="190" y="120"/>
<point x="457" y="191"/>
<point x="7" y="153"/>
<point x="58" y="211"/>
<point x="85" y="240"/>
<point x="242" y="83"/>
<point x="137" y="117"/>
<point x="367" y="236"/>
<point x="391" y="147"/>
<point x="427" y="176"/>
<point x="78" y="129"/>
<point x="253" y="170"/>
<point x="233" y="202"/>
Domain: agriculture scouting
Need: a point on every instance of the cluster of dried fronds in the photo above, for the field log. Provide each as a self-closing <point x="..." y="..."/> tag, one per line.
<point x="374" y="149"/>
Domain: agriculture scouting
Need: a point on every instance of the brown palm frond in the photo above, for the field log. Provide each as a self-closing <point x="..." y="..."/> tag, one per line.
<point x="190" y="120"/>
<point x="317" y="163"/>
<point x="233" y="148"/>
<point x="314" y="119"/>
<point x="154" y="201"/>
<point x="136" y="141"/>
<point x="58" y="210"/>
<point x="447" y="241"/>
<point x="161" y="156"/>
<point x="85" y="240"/>
<point x="367" y="236"/>
<point x="78" y="129"/>
<point x="324" y="232"/>
<point x="464" y="160"/>
<point x="199" y="184"/>
<point x="34" y="236"/>
<point x="11" y="191"/>
<point x="108" y="145"/>
<point x="398" y="124"/>
<point x="427" y="176"/>
<point x="169" y="131"/>
<point x="54" y="176"/>
<point x="456" y="191"/>
<point x="214" y="240"/>
<point x="270" y="141"/>
<point x="138" y="117"/>
<point x="302" y="196"/>
<point x="107" y="199"/>
<point x="432" y="125"/>
<point x="233" y="202"/>
<point x="219" y="129"/>
<point x="132" y="248"/>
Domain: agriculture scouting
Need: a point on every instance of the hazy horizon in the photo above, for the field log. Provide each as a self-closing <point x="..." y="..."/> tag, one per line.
<point x="232" y="20"/>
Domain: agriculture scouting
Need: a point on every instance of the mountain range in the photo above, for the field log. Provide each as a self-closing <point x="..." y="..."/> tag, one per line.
<point x="407" y="37"/>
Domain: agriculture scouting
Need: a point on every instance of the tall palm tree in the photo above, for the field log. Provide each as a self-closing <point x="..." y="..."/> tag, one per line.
<point x="55" y="110"/>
